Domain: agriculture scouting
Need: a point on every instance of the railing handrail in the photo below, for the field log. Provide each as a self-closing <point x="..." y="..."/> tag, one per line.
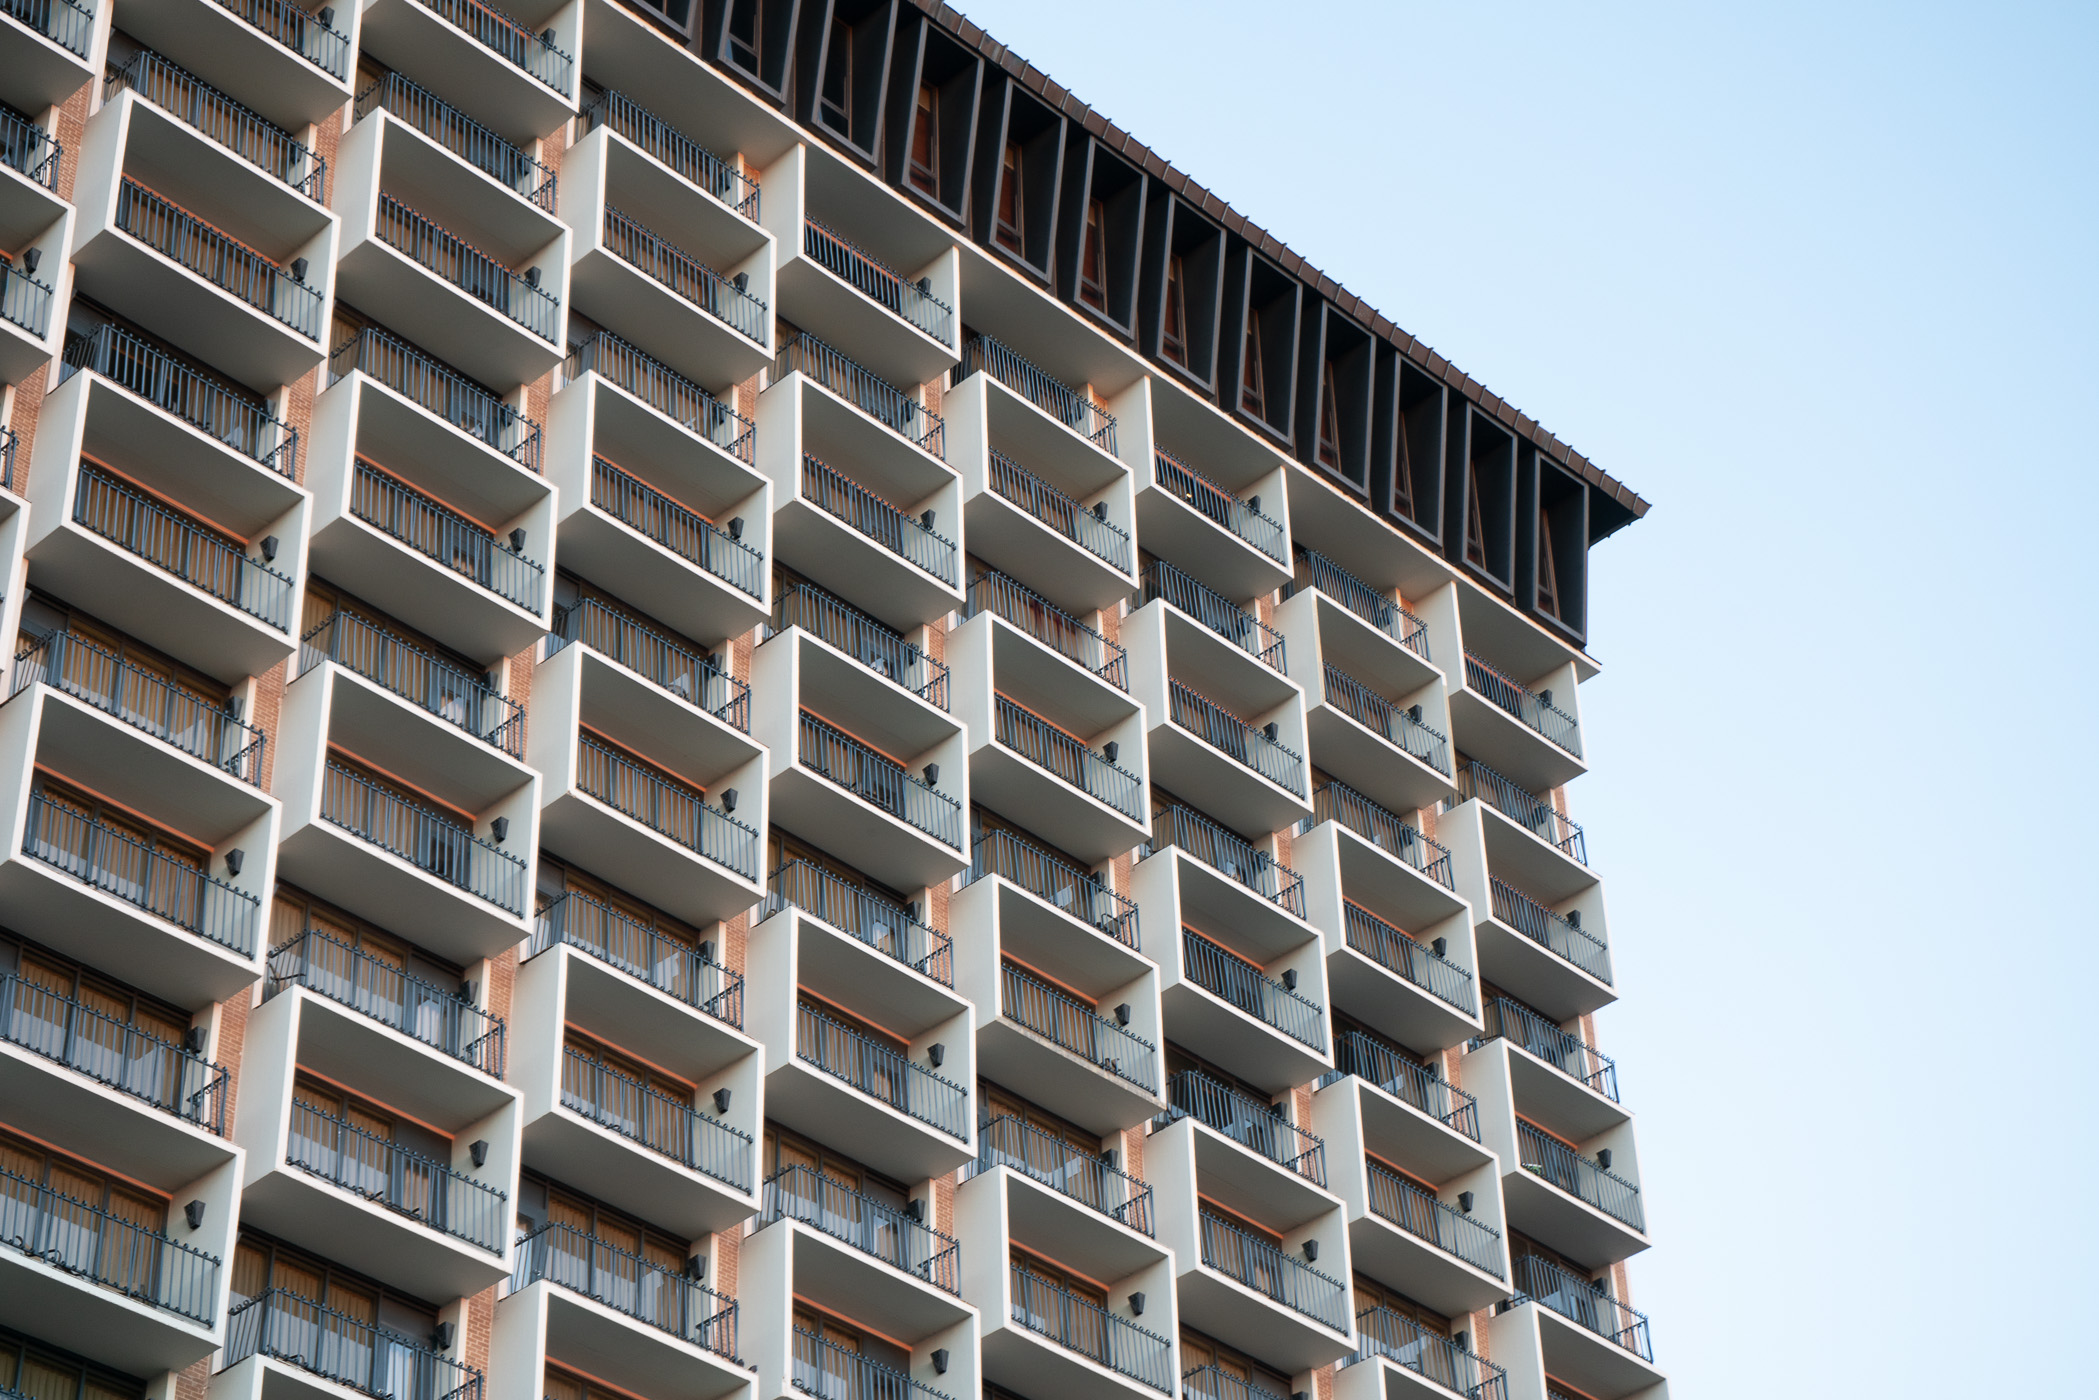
<point x="452" y="259"/>
<point x="441" y="834"/>
<point x="875" y="1228"/>
<point x="731" y="843"/>
<point x="155" y="531"/>
<point x="1337" y="801"/>
<point x="29" y="148"/>
<point x="684" y="275"/>
<point x="1393" y="949"/>
<point x="147" y="877"/>
<point x="423" y="380"/>
<point x="1000" y="852"/>
<point x="1243" y="518"/>
<point x="1419" y="1085"/>
<point x="874" y="644"/>
<point x="1254" y="1125"/>
<point x="911" y="540"/>
<point x="1581" y="1301"/>
<point x="1556" y="933"/>
<point x="440" y="533"/>
<point x="683" y="155"/>
<point x="669" y="965"/>
<point x="1283" y="1277"/>
<point x="1322" y="575"/>
<point x="1421" y="1214"/>
<point x="911" y="302"/>
<point x="1006" y="1141"/>
<point x="160" y="379"/>
<point x="144" y="700"/>
<point x="1407" y="1343"/>
<point x="933" y="811"/>
<point x="1218" y="971"/>
<point x="830" y="1372"/>
<point x="478" y="1213"/>
<point x="536" y="54"/>
<point x="672" y="666"/>
<point x="665" y="390"/>
<point x="1063" y="754"/>
<point x="197" y="104"/>
<point x="1508" y="1019"/>
<point x="680" y="1131"/>
<point x="891" y="929"/>
<point x="1091" y="530"/>
<point x="1040" y="388"/>
<point x="493" y="155"/>
<point x="1211" y="609"/>
<point x="1581" y="1177"/>
<point x="1223" y="1386"/>
<point x="672" y="1302"/>
<point x="217" y="257"/>
<point x="127" y="1058"/>
<point x="679" y="529"/>
<point x="1529" y="707"/>
<point x="1228" y="853"/>
<point x="1035" y="615"/>
<point x="7" y="458"/>
<point x="947" y="1113"/>
<point x="863" y="389"/>
<point x="1529" y="811"/>
<point x="467" y="1033"/>
<point x="75" y="33"/>
<point x="1021" y="988"/>
<point x="1115" y="1342"/>
<point x="1233" y="737"/>
<point x="24" y="298"/>
<point x="302" y="31"/>
<point x="360" y="1355"/>
<point x="140" y="1262"/>
<point x="456" y="696"/>
<point x="1399" y="727"/>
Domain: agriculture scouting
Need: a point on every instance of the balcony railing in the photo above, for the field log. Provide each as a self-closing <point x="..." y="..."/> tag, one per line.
<point x="691" y="537"/>
<point x="675" y="150"/>
<point x="107" y="1250"/>
<point x="443" y="1020"/>
<point x="665" y="390"/>
<point x="439" y="390"/>
<point x="452" y="259"/>
<point x="662" y="1124"/>
<point x="459" y="698"/>
<point x="892" y="930"/>
<point x="64" y="22"/>
<point x="1063" y="1020"/>
<point x="1407" y="1343"/>
<point x="140" y="525"/>
<point x="872" y="395"/>
<point x="535" y="54"/>
<point x="1066" y="757"/>
<point x="1392" y="1197"/>
<point x="875" y="646"/>
<point x="224" y="262"/>
<point x="144" y="700"/>
<point x="1251" y="990"/>
<point x="1403" y="1079"/>
<point x="862" y="510"/>
<point x="830" y="1372"/>
<point x="1533" y="814"/>
<point x="1322" y="575"/>
<point x="1221" y="507"/>
<point x="422" y="838"/>
<point x="1535" y="710"/>
<point x="374" y="1361"/>
<point x="461" y="135"/>
<point x="1390" y="948"/>
<point x="1338" y="802"/>
<point x="27" y="147"/>
<point x="1077" y="892"/>
<point x="1213" y="610"/>
<point x="834" y="754"/>
<point x="874" y="279"/>
<point x="1210" y="1383"/>
<point x="1563" y="1050"/>
<point x="1562" y="936"/>
<point x="1083" y="1176"/>
<point x="1059" y="400"/>
<point x="993" y="592"/>
<point x="243" y="424"/>
<point x="1089" y="529"/>
<point x="1581" y="1302"/>
<point x="405" y="1182"/>
<point x="670" y="965"/>
<point x="127" y="869"/>
<point x="1554" y="1161"/>
<point x="1254" y="1125"/>
<point x="1227" y="853"/>
<point x="888" y="1233"/>
<point x="1402" y="729"/>
<point x="436" y="531"/>
<point x="676" y="667"/>
<point x="1268" y="1271"/>
<point x="24" y="300"/>
<point x="114" y="1052"/>
<point x="7" y="458"/>
<point x="660" y="260"/>
<point x="882" y="1073"/>
<point x="1257" y="749"/>
<point x="1084" y="1326"/>
<point x="310" y="35"/>
<point x="195" y="103"/>
<point x="670" y="1302"/>
<point x="669" y="810"/>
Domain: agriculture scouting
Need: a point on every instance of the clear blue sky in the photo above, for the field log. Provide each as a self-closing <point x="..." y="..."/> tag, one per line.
<point x="1819" y="281"/>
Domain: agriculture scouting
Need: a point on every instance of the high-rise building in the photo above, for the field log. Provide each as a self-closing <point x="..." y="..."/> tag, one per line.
<point x="719" y="702"/>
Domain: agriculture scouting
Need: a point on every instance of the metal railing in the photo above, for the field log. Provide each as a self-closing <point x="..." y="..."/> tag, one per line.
<point x="1079" y="893"/>
<point x="452" y="259"/>
<point x="104" y="1248"/>
<point x="64" y="22"/>
<point x="140" y="525"/>
<point x="874" y="645"/>
<point x="440" y="390"/>
<point x="1219" y="506"/>
<point x="627" y="1283"/>
<point x="1067" y="757"/>
<point x="1534" y="814"/>
<point x="1338" y="802"/>
<point x="688" y="535"/>
<point x="665" y="390"/>
<point x="1065" y="1021"/>
<point x="1084" y="1326"/>
<point x="405" y="1182"/>
<point x="1210" y="1383"/>
<point x="669" y="809"/>
<point x="114" y="1052"/>
<point x="670" y="965"/>
<point x="1553" y="1161"/>
<point x="423" y="1011"/>
<point x="23" y="299"/>
<point x="1402" y="729"/>
<point x="676" y="150"/>
<point x="1245" y="986"/>
<point x="1322" y="575"/>
<point x="830" y="1372"/>
<point x="1227" y="853"/>
<point x="1561" y="936"/>
<point x="1581" y="1302"/>
<point x="509" y="40"/>
<point x="1535" y="710"/>
<point x="459" y="698"/>
<point x="1392" y="949"/>
<point x="880" y="283"/>
<point x="241" y="423"/>
<point x="460" y="134"/>
<point x="1090" y="530"/>
<point x="1268" y="1271"/>
<point x="375" y="1361"/>
<point x="1213" y="610"/>
<point x="1254" y="1125"/>
<point x="657" y="658"/>
<point x="993" y="592"/>
<point x="126" y="868"/>
<point x="436" y="531"/>
<point x="687" y="278"/>
<point x="1392" y="1197"/>
<point x="1233" y="737"/>
<point x="7" y="457"/>
<point x="880" y="1072"/>
<point x="180" y="718"/>
<point x="863" y="389"/>
<point x="1085" y="1177"/>
<point x="1416" y="1084"/>
<point x="303" y="32"/>
<point x="219" y="259"/>
<point x="1562" y="1049"/>
<point x="1059" y="400"/>
<point x="421" y="837"/>
<point x="197" y="104"/>
<point x="908" y="539"/>
<point x="892" y="930"/>
<point x="889" y="1233"/>
<point x="664" y="1125"/>
<point x="829" y="751"/>
<point x="27" y="147"/>
<point x="1405" y="1342"/>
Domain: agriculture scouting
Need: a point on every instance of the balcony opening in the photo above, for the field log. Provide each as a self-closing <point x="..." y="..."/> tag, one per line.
<point x="1102" y="224"/>
<point x="319" y="1317"/>
<point x="34" y="1369"/>
<point x="656" y="651"/>
<point x="1073" y="1022"/>
<point x="392" y="1161"/>
<point x="1199" y="1089"/>
<point x="877" y="1062"/>
<point x="808" y="1182"/>
<point x="648" y="1106"/>
<point x="835" y="1360"/>
<point x="175" y="382"/>
<point x="579" y="1244"/>
<point x="882" y="649"/>
<point x="607" y="923"/>
<point x="111" y="846"/>
<point x="340" y="627"/>
<point x="97" y="1226"/>
<point x="1213" y="1370"/>
<point x="826" y="888"/>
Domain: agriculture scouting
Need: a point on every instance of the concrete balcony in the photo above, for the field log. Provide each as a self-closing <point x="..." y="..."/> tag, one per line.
<point x="506" y="200"/>
<point x="516" y="72"/>
<point x="279" y="1343"/>
<point x="50" y="51"/>
<point x="290" y="64"/>
<point x="1554" y="957"/>
<point x="1517" y="728"/>
<point x="1581" y="1094"/>
<point x="1358" y="628"/>
<point x="1400" y="1359"/>
<point x="1571" y="1330"/>
<point x="35" y="284"/>
<point x="1532" y="843"/>
<point x="1224" y="540"/>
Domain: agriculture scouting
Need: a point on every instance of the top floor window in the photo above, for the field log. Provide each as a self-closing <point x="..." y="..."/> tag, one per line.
<point x="1253" y="395"/>
<point x="836" y="100"/>
<point x="924" y="169"/>
<point x="747" y="35"/>
<point x="1329" y="418"/>
<point x="1475" y="521"/>
<point x="1093" y="256"/>
<point x="1008" y="229"/>
<point x="1548" y="569"/>
<point x="1173" y="335"/>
